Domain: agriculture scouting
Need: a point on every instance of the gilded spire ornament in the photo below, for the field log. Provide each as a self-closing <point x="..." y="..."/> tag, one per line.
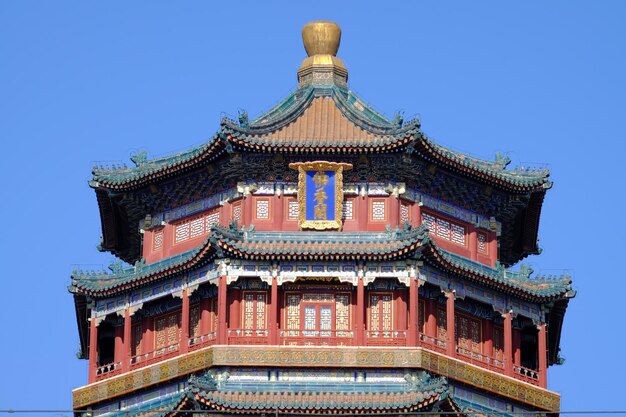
<point x="321" y="40"/>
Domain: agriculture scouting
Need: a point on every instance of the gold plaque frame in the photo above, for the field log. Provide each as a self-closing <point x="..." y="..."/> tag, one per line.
<point x="302" y="168"/>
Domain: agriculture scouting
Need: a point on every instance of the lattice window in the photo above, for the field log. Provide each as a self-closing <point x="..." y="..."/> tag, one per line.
<point x="378" y="210"/>
<point x="262" y="209"/>
<point x="293" y="314"/>
<point x="137" y="339"/>
<point x="347" y="211"/>
<point x="211" y="219"/>
<point x="381" y="317"/>
<point x="196" y="227"/>
<point x="430" y="222"/>
<point x="444" y="229"/>
<point x="467" y="333"/>
<point x="254" y="310"/>
<point x="194" y="320"/>
<point x="404" y="213"/>
<point x="181" y="232"/>
<point x="442" y="324"/>
<point x="293" y="210"/>
<point x="237" y="213"/>
<point x="498" y="343"/>
<point x="342" y="314"/>
<point x="482" y="243"/>
<point x="157" y="241"/>
<point x="421" y="313"/>
<point x="457" y="234"/>
<point x="167" y="329"/>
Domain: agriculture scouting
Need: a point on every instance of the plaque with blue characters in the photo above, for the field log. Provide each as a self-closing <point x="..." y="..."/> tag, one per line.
<point x="320" y="194"/>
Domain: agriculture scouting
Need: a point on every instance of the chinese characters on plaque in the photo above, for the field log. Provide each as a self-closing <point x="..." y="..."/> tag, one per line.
<point x="320" y="194"/>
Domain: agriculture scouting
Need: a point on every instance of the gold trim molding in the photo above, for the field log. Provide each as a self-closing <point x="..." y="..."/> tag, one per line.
<point x="314" y="356"/>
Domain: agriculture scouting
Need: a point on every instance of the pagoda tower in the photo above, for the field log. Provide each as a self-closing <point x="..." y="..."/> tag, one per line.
<point x="319" y="259"/>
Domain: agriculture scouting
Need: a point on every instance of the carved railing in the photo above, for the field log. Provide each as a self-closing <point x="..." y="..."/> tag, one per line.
<point x="433" y="343"/>
<point x="317" y="337"/>
<point x="248" y="336"/>
<point x="158" y="355"/>
<point x="525" y="374"/>
<point x="108" y="370"/>
<point x="479" y="359"/>
<point x="198" y="342"/>
<point x="385" y="337"/>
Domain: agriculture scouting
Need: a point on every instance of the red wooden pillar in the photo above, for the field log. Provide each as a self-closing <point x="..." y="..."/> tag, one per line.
<point x="148" y="338"/>
<point x="360" y="310"/>
<point x="543" y="355"/>
<point x="517" y="347"/>
<point x="363" y="210"/>
<point x="205" y="317"/>
<point x="93" y="349"/>
<point x="413" y="330"/>
<point x="273" y="311"/>
<point x="473" y="243"/>
<point x="221" y="310"/>
<point x="127" y="332"/>
<point x="508" y="344"/>
<point x="248" y="209"/>
<point x="431" y="319"/>
<point x="394" y="210"/>
<point x="488" y="338"/>
<point x="450" y="342"/>
<point x="184" y="343"/>
<point x="118" y="347"/>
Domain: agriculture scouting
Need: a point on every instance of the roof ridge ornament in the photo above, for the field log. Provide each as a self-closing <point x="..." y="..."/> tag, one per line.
<point x="321" y="40"/>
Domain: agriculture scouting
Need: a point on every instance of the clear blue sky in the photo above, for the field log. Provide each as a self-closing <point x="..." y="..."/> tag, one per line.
<point x="88" y="81"/>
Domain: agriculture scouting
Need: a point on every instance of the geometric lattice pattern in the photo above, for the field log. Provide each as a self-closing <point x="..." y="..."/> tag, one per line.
<point x="467" y="333"/>
<point x="293" y="210"/>
<point x="378" y="210"/>
<point x="167" y="330"/>
<point x="196" y="226"/>
<point x="381" y="313"/>
<point x="442" y="324"/>
<point x="347" y="210"/>
<point x="237" y="213"/>
<point x="342" y="314"/>
<point x="136" y="336"/>
<point x="194" y="320"/>
<point x="482" y="243"/>
<point x="444" y="229"/>
<point x="498" y="343"/>
<point x="262" y="209"/>
<point x="254" y="308"/>
<point x="404" y="213"/>
<point x="157" y="242"/>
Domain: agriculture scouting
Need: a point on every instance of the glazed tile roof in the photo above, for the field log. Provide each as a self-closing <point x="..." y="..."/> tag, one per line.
<point x="393" y="244"/>
<point x="318" y="120"/>
<point x="311" y="397"/>
<point x="319" y="245"/>
<point x="519" y="283"/>
<point x="120" y="278"/>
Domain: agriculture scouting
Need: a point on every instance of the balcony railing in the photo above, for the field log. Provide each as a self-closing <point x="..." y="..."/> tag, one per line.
<point x="108" y="370"/>
<point x="158" y="355"/>
<point x="248" y="336"/>
<point x="479" y="359"/>
<point x="385" y="337"/>
<point x="305" y="337"/>
<point x="198" y="342"/>
<point x="317" y="337"/>
<point x="525" y="374"/>
<point x="433" y="343"/>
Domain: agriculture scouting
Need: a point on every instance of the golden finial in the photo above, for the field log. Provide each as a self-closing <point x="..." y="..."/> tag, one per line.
<point x="321" y="40"/>
<point x="321" y="37"/>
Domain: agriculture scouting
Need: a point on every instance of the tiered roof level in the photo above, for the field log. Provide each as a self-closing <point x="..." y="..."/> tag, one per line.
<point x="226" y="303"/>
